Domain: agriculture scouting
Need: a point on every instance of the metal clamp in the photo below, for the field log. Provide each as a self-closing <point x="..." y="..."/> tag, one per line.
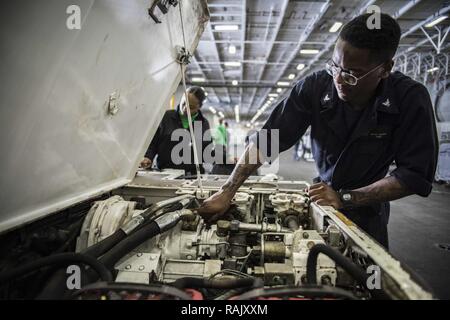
<point x="163" y="6"/>
<point x="183" y="55"/>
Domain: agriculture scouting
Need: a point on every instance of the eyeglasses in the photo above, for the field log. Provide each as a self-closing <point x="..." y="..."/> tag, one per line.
<point x="333" y="70"/>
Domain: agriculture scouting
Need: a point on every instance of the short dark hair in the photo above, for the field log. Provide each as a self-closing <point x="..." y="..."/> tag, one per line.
<point x="382" y="42"/>
<point x="199" y="93"/>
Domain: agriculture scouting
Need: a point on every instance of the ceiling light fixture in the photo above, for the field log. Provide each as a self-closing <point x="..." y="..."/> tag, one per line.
<point x="226" y="27"/>
<point x="309" y="51"/>
<point x="236" y="112"/>
<point x="433" y="69"/>
<point x="232" y="64"/>
<point x="435" y="21"/>
<point x="195" y="79"/>
<point x="336" y="26"/>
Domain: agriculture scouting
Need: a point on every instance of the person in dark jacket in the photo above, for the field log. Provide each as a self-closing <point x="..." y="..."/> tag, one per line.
<point x="363" y="117"/>
<point x="172" y="141"/>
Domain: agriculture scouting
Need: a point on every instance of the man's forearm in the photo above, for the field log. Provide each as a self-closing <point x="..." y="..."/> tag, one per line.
<point x="247" y="164"/>
<point x="384" y="190"/>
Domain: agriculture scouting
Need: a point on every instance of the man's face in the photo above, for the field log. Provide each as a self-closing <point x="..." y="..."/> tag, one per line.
<point x="194" y="104"/>
<point x="358" y="62"/>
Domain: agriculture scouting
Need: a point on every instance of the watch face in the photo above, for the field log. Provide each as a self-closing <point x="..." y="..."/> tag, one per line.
<point x="347" y="196"/>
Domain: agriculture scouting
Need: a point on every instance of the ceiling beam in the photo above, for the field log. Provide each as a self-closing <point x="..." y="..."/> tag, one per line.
<point x="424" y="22"/>
<point x="330" y="43"/>
<point x="243" y="35"/>
<point x="216" y="51"/>
<point x="241" y="85"/>
<point x="303" y="37"/>
<point x="269" y="51"/>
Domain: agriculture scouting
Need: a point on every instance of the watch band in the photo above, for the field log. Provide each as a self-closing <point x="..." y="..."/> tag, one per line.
<point x="346" y="198"/>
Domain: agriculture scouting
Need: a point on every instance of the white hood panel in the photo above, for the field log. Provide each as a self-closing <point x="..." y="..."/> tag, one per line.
<point x="59" y="144"/>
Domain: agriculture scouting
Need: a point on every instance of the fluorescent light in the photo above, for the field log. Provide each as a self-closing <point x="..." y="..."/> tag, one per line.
<point x="283" y="84"/>
<point x="291" y="76"/>
<point x="206" y="94"/>
<point x="435" y="21"/>
<point x="221" y="114"/>
<point x="309" y="51"/>
<point x="236" y="112"/>
<point x="279" y="90"/>
<point x="433" y="69"/>
<point x="198" y="79"/>
<point x="273" y="94"/>
<point x="226" y="27"/>
<point x="234" y="82"/>
<point x="212" y="110"/>
<point x="336" y="26"/>
<point x="232" y="49"/>
<point x="232" y="64"/>
<point x="301" y="66"/>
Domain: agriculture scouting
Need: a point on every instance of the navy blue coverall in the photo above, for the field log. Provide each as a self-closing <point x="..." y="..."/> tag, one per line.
<point x="398" y="126"/>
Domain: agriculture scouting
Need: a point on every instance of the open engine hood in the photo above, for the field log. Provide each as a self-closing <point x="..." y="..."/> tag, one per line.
<point x="79" y="107"/>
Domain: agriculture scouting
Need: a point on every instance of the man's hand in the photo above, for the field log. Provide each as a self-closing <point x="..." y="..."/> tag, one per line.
<point x="215" y="206"/>
<point x="323" y="195"/>
<point x="146" y="163"/>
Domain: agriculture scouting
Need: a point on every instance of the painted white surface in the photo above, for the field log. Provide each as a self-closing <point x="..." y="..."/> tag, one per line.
<point x="58" y="143"/>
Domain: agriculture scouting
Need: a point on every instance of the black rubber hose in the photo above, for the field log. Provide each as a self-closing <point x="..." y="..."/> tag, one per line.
<point x="109" y="242"/>
<point x="58" y="260"/>
<point x="95" y="288"/>
<point x="351" y="268"/>
<point x="305" y="291"/>
<point x="148" y="231"/>
<point x="311" y="264"/>
<point x="105" y="245"/>
<point x="193" y="283"/>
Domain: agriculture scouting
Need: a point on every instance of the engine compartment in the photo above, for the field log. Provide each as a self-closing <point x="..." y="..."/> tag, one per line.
<point x="271" y="244"/>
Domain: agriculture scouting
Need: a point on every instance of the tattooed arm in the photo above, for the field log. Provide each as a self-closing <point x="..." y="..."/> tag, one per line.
<point x="216" y="205"/>
<point x="386" y="189"/>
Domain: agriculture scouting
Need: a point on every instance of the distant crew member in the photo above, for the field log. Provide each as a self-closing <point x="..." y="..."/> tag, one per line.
<point x="162" y="144"/>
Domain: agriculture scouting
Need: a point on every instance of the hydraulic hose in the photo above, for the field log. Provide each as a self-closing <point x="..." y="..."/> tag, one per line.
<point x="110" y="258"/>
<point x="105" y="245"/>
<point x="54" y="289"/>
<point x="351" y="268"/>
<point x="58" y="260"/>
<point x="117" y="245"/>
<point x="193" y="283"/>
<point x="148" y="231"/>
<point x="135" y="223"/>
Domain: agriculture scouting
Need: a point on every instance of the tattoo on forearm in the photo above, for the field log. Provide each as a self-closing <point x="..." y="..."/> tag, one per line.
<point x="244" y="168"/>
<point x="386" y="189"/>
